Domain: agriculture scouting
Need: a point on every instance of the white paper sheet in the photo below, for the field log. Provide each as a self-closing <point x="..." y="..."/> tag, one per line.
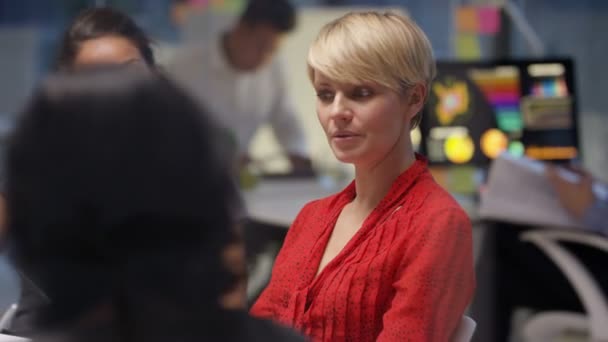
<point x="519" y="192"/>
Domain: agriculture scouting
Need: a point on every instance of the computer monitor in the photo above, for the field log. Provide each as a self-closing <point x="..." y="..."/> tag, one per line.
<point x="477" y="110"/>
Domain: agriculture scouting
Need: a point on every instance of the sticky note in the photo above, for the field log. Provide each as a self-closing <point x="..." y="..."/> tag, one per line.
<point x="231" y="6"/>
<point x="467" y="46"/>
<point x="467" y="19"/>
<point x="489" y="19"/>
<point x="462" y="180"/>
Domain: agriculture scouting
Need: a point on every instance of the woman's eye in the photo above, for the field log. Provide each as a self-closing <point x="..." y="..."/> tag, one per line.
<point x="362" y="93"/>
<point x="325" y="96"/>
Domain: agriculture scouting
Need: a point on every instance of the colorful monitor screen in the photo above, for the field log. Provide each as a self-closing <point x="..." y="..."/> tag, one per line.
<point x="478" y="110"/>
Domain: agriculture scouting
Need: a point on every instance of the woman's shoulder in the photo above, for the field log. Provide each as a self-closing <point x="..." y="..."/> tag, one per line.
<point x="432" y="206"/>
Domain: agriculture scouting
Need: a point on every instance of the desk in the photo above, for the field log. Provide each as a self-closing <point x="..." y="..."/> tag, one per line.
<point x="278" y="202"/>
<point x="271" y="208"/>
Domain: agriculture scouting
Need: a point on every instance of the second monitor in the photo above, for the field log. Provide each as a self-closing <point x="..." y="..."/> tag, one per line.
<point x="477" y="110"/>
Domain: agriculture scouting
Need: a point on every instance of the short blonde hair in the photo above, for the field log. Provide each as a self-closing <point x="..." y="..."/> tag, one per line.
<point x="385" y="48"/>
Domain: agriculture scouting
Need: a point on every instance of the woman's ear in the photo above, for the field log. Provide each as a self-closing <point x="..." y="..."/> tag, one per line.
<point x="416" y="99"/>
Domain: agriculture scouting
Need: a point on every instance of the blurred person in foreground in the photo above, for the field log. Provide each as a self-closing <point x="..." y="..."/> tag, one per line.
<point x="390" y="257"/>
<point x="96" y="36"/>
<point x="239" y="77"/>
<point x="121" y="208"/>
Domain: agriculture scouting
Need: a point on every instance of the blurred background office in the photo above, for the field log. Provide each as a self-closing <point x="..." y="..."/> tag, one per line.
<point x="467" y="36"/>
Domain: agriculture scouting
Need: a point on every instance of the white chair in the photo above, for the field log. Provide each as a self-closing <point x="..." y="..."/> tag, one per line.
<point x="5" y="322"/>
<point x="465" y="330"/>
<point x="7" y="318"/>
<point x="549" y="325"/>
<point x="10" y="338"/>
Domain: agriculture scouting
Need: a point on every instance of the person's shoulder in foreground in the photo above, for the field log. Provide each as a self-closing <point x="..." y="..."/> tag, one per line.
<point x="250" y="330"/>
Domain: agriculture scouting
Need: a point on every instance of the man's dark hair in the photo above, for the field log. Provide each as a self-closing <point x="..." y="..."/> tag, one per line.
<point x="279" y="14"/>
<point x="119" y="198"/>
<point x="101" y="22"/>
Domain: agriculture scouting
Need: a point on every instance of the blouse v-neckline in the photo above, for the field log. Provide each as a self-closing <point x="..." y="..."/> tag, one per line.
<point x="387" y="205"/>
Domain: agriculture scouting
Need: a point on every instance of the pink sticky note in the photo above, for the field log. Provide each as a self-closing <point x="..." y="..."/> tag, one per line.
<point x="489" y="19"/>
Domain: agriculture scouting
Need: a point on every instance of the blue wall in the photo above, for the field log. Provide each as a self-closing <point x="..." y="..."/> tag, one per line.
<point x="567" y="27"/>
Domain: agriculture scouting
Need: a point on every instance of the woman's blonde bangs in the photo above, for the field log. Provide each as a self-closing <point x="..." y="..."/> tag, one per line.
<point x="343" y="59"/>
<point x="382" y="48"/>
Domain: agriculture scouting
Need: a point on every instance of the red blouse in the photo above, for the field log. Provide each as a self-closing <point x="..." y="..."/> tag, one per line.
<point x="406" y="275"/>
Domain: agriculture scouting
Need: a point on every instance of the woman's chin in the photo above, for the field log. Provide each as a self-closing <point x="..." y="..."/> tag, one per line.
<point x="345" y="157"/>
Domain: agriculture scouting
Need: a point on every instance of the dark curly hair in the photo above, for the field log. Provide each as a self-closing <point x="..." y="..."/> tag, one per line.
<point x="101" y="22"/>
<point x="119" y="198"/>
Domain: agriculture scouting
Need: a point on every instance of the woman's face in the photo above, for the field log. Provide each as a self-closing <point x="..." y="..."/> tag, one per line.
<point x="108" y="50"/>
<point x="364" y="123"/>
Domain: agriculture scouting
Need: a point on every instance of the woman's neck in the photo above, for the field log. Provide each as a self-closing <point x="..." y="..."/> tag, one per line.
<point x="374" y="182"/>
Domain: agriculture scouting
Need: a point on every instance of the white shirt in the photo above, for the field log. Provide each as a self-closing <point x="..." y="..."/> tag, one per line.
<point x="240" y="101"/>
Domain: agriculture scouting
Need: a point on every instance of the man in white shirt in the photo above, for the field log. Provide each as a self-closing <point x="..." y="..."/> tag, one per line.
<point x="239" y="79"/>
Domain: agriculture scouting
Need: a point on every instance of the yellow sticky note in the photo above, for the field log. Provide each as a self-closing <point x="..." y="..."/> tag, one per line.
<point x="467" y="46"/>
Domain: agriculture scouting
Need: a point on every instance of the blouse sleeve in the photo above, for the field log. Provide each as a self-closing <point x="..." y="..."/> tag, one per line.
<point x="435" y="281"/>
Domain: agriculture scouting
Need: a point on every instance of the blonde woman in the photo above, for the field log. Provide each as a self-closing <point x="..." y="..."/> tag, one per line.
<point x="389" y="258"/>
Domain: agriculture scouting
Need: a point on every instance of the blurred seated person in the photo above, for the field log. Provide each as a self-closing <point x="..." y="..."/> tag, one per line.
<point x="104" y="35"/>
<point x="239" y="77"/>
<point x="522" y="276"/>
<point x="96" y="36"/>
<point x="579" y="199"/>
<point x="121" y="208"/>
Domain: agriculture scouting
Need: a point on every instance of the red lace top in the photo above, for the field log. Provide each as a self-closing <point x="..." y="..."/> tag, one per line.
<point x="406" y="275"/>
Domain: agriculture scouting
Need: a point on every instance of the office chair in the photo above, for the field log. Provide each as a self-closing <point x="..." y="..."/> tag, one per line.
<point x="547" y="326"/>
<point x="7" y="318"/>
<point x="465" y="330"/>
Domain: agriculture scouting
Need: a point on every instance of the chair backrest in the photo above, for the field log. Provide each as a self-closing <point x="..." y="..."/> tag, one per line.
<point x="586" y="287"/>
<point x="465" y="330"/>
<point x="10" y="338"/>
<point x="7" y="318"/>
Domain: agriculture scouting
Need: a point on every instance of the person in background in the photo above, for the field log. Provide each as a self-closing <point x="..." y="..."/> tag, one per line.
<point x="579" y="199"/>
<point x="104" y="35"/>
<point x="239" y="77"/>
<point x="390" y="257"/>
<point x="121" y="208"/>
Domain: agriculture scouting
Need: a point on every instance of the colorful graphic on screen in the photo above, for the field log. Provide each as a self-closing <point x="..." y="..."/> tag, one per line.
<point x="452" y="101"/>
<point x="550" y="87"/>
<point x="549" y="80"/>
<point x="478" y="110"/>
<point x="517" y="148"/>
<point x="500" y="86"/>
<point x="493" y="143"/>
<point x="459" y="149"/>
